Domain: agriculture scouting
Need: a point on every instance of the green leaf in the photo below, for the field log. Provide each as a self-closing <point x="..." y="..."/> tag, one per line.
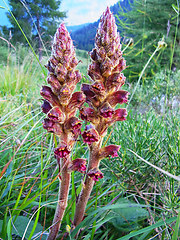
<point x="176" y="229"/>
<point x="19" y="226"/>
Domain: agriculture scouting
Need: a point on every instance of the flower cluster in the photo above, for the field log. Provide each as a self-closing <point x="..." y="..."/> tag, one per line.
<point x="105" y="92"/>
<point x="60" y="101"/>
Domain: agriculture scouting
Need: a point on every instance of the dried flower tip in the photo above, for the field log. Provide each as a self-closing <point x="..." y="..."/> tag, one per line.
<point x="111" y="150"/>
<point x="46" y="107"/>
<point x="79" y="164"/>
<point x="90" y="135"/>
<point x="95" y="174"/>
<point x="62" y="151"/>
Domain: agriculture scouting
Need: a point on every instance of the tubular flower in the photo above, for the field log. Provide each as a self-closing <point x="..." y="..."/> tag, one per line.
<point x="95" y="174"/>
<point x="79" y="164"/>
<point x="90" y="135"/>
<point x="111" y="150"/>
<point x="62" y="151"/>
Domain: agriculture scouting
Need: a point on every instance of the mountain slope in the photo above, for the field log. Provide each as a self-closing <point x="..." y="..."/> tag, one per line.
<point x="84" y="37"/>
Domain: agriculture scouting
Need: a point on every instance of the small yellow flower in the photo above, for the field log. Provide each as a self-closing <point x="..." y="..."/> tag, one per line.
<point x="68" y="228"/>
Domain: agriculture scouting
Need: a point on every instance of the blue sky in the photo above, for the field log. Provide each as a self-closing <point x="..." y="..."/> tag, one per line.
<point x="78" y="11"/>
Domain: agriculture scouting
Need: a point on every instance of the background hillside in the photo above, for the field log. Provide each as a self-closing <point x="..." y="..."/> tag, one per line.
<point x="84" y="37"/>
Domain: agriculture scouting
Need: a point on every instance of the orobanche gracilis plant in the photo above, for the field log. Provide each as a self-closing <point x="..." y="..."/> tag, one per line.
<point x="61" y="105"/>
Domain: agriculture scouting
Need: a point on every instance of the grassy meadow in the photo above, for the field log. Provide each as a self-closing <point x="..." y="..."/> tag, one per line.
<point x="134" y="200"/>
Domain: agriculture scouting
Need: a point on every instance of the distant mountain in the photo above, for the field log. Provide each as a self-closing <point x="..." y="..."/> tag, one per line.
<point x="76" y="27"/>
<point x="84" y="36"/>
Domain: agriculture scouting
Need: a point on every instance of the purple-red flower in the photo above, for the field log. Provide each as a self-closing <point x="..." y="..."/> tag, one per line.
<point x="88" y="114"/>
<point x="120" y="114"/>
<point x="77" y="99"/>
<point x="56" y="114"/>
<point x="106" y="111"/>
<point x="52" y="126"/>
<point x="47" y="93"/>
<point x="79" y="164"/>
<point x="74" y="125"/>
<point x="111" y="150"/>
<point x="95" y="174"/>
<point x="120" y="96"/>
<point x="90" y="135"/>
<point x="62" y="151"/>
<point x="46" y="107"/>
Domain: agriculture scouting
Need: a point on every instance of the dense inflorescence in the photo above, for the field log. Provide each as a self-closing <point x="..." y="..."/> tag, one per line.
<point x="105" y="92"/>
<point x="60" y="101"/>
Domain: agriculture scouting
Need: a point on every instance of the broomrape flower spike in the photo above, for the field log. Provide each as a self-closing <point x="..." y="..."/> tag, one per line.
<point x="60" y="106"/>
<point x="102" y="96"/>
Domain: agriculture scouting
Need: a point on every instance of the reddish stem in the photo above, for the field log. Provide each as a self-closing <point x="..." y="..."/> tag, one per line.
<point x="88" y="184"/>
<point x="64" y="183"/>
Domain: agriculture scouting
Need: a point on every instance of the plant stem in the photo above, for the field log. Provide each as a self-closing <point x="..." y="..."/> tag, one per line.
<point x="64" y="182"/>
<point x="88" y="184"/>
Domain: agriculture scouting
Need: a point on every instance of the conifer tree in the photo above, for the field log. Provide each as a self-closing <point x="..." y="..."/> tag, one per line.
<point x="147" y="23"/>
<point x="38" y="19"/>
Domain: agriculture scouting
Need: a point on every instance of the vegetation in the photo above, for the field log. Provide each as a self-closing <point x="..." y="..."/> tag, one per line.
<point x="147" y="23"/>
<point x="134" y="200"/>
<point x="39" y="21"/>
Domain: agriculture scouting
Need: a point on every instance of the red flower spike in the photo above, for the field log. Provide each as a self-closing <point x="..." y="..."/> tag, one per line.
<point x="47" y="93"/>
<point x="46" y="107"/>
<point x="62" y="151"/>
<point x="95" y="174"/>
<point x="106" y="111"/>
<point x="52" y="126"/>
<point x="79" y="164"/>
<point x="90" y="135"/>
<point x="56" y="115"/>
<point x="111" y="150"/>
<point x="118" y="97"/>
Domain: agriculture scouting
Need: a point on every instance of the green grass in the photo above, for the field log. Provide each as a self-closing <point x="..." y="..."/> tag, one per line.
<point x="29" y="184"/>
